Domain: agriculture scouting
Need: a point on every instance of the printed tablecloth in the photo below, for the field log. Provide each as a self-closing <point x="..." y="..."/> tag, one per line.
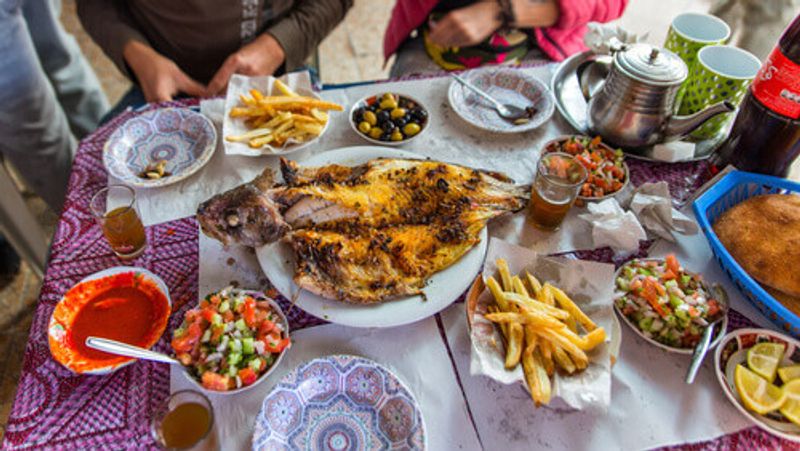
<point x="54" y="408"/>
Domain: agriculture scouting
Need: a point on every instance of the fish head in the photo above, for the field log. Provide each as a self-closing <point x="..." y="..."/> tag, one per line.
<point x="244" y="215"/>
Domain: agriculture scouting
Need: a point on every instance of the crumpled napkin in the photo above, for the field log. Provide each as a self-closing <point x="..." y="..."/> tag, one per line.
<point x="614" y="227"/>
<point x="602" y="37"/>
<point x="652" y="204"/>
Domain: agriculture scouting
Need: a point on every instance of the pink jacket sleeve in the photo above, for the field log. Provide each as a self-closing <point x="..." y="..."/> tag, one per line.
<point x="565" y="38"/>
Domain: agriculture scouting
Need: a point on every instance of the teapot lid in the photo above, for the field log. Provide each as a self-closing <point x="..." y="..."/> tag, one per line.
<point x="652" y="65"/>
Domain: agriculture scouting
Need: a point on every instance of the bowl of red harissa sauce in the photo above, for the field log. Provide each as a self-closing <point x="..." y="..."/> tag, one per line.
<point x="126" y="304"/>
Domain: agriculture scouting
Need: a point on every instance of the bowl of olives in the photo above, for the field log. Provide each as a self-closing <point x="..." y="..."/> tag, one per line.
<point x="389" y="119"/>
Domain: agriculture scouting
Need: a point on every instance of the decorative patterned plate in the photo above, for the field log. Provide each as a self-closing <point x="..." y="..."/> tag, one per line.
<point x="733" y="351"/>
<point x="340" y="402"/>
<point x="182" y="137"/>
<point x="506" y="86"/>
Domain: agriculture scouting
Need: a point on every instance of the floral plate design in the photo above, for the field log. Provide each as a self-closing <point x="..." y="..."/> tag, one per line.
<point x="186" y="140"/>
<point x="733" y="351"/>
<point x="506" y="86"/>
<point x="340" y="402"/>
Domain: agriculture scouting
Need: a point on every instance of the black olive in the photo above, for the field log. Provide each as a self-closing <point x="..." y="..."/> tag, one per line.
<point x="419" y="114"/>
<point x="383" y="116"/>
<point x="388" y="126"/>
<point x="359" y="113"/>
<point x="386" y="136"/>
<point x="400" y="121"/>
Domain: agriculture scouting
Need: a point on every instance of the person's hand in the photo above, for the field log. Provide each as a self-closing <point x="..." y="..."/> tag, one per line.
<point x="159" y="77"/>
<point x="263" y="56"/>
<point x="466" y="26"/>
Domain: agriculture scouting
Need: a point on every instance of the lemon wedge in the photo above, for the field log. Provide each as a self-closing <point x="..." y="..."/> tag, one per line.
<point x="763" y="359"/>
<point x="789" y="373"/>
<point x="791" y="406"/>
<point x="757" y="394"/>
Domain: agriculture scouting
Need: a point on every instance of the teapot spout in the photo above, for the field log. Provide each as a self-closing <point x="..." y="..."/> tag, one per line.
<point x="680" y="126"/>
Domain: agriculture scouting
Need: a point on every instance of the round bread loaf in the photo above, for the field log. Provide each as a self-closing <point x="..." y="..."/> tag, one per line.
<point x="763" y="236"/>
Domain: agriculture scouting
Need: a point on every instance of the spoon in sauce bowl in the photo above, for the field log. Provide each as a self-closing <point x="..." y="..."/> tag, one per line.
<point x="126" y="350"/>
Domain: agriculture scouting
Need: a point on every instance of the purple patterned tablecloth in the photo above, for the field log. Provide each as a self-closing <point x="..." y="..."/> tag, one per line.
<point x="55" y="408"/>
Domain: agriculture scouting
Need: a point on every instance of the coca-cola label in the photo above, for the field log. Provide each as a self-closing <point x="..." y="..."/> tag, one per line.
<point x="777" y="85"/>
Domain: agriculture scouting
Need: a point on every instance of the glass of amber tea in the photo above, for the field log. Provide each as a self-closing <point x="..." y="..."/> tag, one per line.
<point x="559" y="177"/>
<point x="115" y="209"/>
<point x="185" y="421"/>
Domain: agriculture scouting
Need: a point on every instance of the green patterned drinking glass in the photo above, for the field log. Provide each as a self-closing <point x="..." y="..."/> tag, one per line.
<point x="722" y="72"/>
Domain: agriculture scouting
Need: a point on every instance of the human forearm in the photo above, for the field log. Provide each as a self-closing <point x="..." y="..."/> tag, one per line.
<point x="535" y="13"/>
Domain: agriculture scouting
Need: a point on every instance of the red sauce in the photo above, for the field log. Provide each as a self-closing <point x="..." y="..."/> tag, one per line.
<point x="125" y="314"/>
<point x="127" y="307"/>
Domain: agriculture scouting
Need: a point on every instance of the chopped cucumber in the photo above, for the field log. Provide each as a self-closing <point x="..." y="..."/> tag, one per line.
<point x="646" y="324"/>
<point x="675" y="301"/>
<point x="224" y="306"/>
<point x="235" y="345"/>
<point x="240" y="325"/>
<point x="248" y="345"/>
<point x="216" y="319"/>
<point x="206" y="336"/>
<point x="233" y="359"/>
<point x="623" y="284"/>
<point x="255" y="364"/>
<point x="685" y="279"/>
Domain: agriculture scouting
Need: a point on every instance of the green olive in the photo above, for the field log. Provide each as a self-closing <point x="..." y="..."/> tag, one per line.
<point x="387" y="96"/>
<point x="396" y="135"/>
<point x="398" y="112"/>
<point x="375" y="133"/>
<point x="411" y="129"/>
<point x="388" y="104"/>
<point x="370" y="118"/>
<point x="364" y="127"/>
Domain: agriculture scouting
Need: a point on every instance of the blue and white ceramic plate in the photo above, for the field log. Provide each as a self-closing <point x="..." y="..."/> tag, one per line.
<point x="340" y="402"/>
<point x="183" y="138"/>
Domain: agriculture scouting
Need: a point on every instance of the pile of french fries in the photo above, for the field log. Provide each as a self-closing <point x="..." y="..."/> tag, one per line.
<point x="540" y="325"/>
<point x="273" y="120"/>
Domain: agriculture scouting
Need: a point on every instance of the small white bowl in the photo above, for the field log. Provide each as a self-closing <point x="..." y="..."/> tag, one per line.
<point x="731" y="351"/>
<point x="261" y="378"/>
<point x="721" y="327"/>
<point x="365" y="102"/>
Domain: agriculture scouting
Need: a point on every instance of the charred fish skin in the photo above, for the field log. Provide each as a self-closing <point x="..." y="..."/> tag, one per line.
<point x="244" y="215"/>
<point x="367" y="266"/>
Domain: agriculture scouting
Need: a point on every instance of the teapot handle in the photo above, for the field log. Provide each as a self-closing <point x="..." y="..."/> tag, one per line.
<point x="587" y="70"/>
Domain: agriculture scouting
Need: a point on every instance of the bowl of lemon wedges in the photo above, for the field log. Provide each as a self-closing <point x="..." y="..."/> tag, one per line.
<point x="759" y="371"/>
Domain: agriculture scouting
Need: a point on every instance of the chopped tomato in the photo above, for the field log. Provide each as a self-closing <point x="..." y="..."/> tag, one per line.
<point x="713" y="307"/>
<point x="265" y="328"/>
<point x="227" y="316"/>
<point x="595" y="141"/>
<point x="248" y="376"/>
<point x="249" y="312"/>
<point x="216" y="333"/>
<point x="693" y="312"/>
<point x="276" y="347"/>
<point x="672" y="264"/>
<point x="186" y="342"/>
<point x="215" y="300"/>
<point x="650" y="293"/>
<point x="208" y="314"/>
<point x="214" y="381"/>
<point x="669" y="275"/>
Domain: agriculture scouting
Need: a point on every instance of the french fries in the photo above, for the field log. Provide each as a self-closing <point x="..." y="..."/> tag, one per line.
<point x="539" y="323"/>
<point x="274" y="120"/>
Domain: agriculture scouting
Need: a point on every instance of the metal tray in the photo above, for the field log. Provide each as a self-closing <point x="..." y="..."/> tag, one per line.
<point x="572" y="106"/>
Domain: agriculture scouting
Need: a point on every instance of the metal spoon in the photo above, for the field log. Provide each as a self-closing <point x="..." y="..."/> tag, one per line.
<point x="507" y="111"/>
<point x="126" y="350"/>
<point x="701" y="349"/>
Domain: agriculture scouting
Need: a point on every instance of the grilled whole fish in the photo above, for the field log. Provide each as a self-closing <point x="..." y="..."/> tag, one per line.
<point x="368" y="232"/>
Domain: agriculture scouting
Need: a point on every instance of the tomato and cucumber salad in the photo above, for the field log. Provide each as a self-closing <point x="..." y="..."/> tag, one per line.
<point x="230" y="339"/>
<point x="665" y="302"/>
<point x="605" y="166"/>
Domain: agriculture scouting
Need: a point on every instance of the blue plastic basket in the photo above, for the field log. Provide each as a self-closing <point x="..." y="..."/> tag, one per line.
<point x="727" y="192"/>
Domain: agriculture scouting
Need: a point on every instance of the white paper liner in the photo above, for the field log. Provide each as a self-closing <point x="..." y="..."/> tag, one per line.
<point x="300" y="82"/>
<point x="589" y="284"/>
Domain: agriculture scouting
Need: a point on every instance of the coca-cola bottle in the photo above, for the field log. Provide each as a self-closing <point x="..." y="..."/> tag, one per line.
<point x="765" y="136"/>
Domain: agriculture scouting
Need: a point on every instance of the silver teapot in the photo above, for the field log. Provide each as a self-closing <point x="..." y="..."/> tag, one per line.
<point x="634" y="105"/>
